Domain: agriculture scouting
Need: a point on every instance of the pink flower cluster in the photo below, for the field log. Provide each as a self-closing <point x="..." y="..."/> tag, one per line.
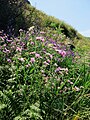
<point x="40" y="38"/>
<point x="61" y="69"/>
<point x="62" y="52"/>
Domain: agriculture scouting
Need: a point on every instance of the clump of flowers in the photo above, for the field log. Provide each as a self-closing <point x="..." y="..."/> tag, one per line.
<point x="41" y="66"/>
<point x="40" y="38"/>
<point x="59" y="69"/>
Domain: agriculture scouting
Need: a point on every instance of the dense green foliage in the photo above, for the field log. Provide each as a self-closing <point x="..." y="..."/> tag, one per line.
<point x="42" y="79"/>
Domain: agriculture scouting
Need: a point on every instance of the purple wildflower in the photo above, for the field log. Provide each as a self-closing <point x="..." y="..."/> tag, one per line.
<point x="9" y="60"/>
<point x="32" y="60"/>
<point x="58" y="69"/>
<point x="37" y="55"/>
<point x="6" y="50"/>
<point x="62" y="53"/>
<point x="32" y="43"/>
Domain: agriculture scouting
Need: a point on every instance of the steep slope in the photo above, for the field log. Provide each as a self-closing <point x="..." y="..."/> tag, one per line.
<point x="20" y="14"/>
<point x="41" y="78"/>
<point x="43" y="21"/>
<point x="28" y="16"/>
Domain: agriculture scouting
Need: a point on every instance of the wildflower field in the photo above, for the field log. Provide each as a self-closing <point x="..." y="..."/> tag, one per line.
<point x="42" y="78"/>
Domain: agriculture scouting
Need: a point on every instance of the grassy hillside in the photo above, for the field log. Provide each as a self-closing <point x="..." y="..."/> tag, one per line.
<point x="60" y="29"/>
<point x="43" y="77"/>
<point x="43" y="21"/>
<point x="52" y="25"/>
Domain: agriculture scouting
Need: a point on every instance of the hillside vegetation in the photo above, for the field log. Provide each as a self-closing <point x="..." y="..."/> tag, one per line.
<point x="24" y="15"/>
<point x="44" y="67"/>
<point x="43" y="21"/>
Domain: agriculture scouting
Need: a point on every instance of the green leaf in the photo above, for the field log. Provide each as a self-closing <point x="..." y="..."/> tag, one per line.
<point x="31" y="71"/>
